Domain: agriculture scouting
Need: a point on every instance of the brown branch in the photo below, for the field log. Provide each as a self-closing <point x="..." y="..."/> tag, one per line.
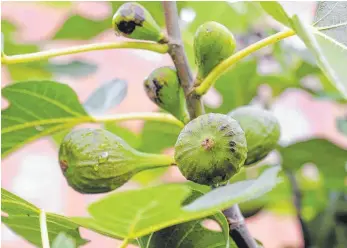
<point x="176" y="51"/>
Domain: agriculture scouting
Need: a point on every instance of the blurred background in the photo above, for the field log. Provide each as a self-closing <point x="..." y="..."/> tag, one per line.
<point x="283" y="78"/>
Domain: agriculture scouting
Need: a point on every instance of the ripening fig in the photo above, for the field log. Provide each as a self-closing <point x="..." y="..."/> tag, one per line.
<point x="132" y="20"/>
<point x="163" y="88"/>
<point x="213" y="43"/>
<point x="261" y="128"/>
<point x="211" y="149"/>
<point x="98" y="161"/>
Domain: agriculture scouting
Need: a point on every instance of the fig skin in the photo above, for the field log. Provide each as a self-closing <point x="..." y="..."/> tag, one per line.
<point x="164" y="89"/>
<point x="98" y="161"/>
<point x="211" y="149"/>
<point x="133" y="21"/>
<point x="213" y="43"/>
<point x="262" y="131"/>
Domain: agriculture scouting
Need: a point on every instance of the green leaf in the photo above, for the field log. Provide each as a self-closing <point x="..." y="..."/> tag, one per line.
<point x="107" y="96"/>
<point x="276" y="10"/>
<point x="332" y="16"/>
<point x="75" y="68"/>
<point x="329" y="158"/>
<point x="236" y="86"/>
<point x="190" y="234"/>
<point x="328" y="52"/>
<point x="77" y="27"/>
<point x="36" y="109"/>
<point x="63" y="241"/>
<point x="342" y="125"/>
<point x="23" y="218"/>
<point x="236" y="16"/>
<point x="136" y="213"/>
<point x="156" y="137"/>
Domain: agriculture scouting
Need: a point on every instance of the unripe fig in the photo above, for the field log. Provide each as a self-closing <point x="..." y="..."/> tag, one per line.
<point x="97" y="161"/>
<point x="132" y="20"/>
<point x="213" y="43"/>
<point x="261" y="128"/>
<point x="163" y="88"/>
<point x="211" y="149"/>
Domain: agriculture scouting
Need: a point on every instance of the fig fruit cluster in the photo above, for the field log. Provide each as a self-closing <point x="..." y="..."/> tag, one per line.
<point x="209" y="149"/>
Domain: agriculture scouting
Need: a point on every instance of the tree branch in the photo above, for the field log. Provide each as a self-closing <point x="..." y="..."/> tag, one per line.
<point x="176" y="51"/>
<point x="31" y="57"/>
<point x="238" y="229"/>
<point x="297" y="196"/>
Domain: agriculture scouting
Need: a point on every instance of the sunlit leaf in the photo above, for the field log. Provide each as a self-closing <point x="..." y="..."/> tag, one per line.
<point x="23" y="218"/>
<point x="136" y="213"/>
<point x="36" y="109"/>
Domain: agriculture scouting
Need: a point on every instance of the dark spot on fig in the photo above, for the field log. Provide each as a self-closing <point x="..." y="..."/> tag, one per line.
<point x="232" y="143"/>
<point x="223" y="127"/>
<point x="232" y="150"/>
<point x="157" y="88"/>
<point x="63" y="165"/>
<point x="126" y="27"/>
<point x="207" y="144"/>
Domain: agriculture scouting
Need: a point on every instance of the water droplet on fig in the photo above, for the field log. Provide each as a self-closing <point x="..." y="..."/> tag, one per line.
<point x="103" y="157"/>
<point x="39" y="128"/>
<point x="96" y="167"/>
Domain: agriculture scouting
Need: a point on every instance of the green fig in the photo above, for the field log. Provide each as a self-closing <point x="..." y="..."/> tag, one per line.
<point x="211" y="149"/>
<point x="163" y="88"/>
<point x="261" y="128"/>
<point x="98" y="161"/>
<point x="213" y="43"/>
<point x="133" y="21"/>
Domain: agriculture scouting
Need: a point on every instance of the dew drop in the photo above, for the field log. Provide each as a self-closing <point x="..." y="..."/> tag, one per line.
<point x="96" y="167"/>
<point x="103" y="157"/>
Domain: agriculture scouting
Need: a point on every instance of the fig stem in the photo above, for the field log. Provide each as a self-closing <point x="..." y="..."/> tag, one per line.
<point x="227" y="63"/>
<point x="44" y="55"/>
<point x="178" y="55"/>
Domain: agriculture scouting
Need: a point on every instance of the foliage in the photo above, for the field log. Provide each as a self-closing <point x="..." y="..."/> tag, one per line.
<point x="173" y="215"/>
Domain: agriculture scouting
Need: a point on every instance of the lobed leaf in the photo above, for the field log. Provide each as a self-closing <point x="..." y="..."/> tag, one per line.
<point x="329" y="158"/>
<point x="36" y="109"/>
<point x="137" y="213"/>
<point x="24" y="219"/>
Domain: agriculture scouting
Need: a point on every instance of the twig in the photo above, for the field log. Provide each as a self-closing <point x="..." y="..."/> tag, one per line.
<point x="176" y="51"/>
<point x="31" y="57"/>
<point x="237" y="228"/>
<point x="297" y="204"/>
